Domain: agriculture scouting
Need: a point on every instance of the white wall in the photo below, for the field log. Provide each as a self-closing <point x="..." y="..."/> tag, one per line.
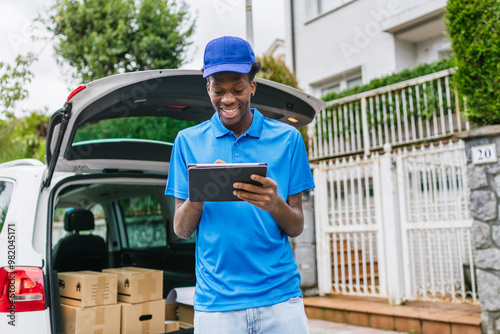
<point x="405" y="54"/>
<point x="428" y="50"/>
<point x="354" y="36"/>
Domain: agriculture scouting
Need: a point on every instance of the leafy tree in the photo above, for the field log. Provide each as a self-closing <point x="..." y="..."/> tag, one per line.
<point x="99" y="38"/>
<point x="474" y="29"/>
<point x="23" y="137"/>
<point x="275" y="69"/>
<point x="12" y="81"/>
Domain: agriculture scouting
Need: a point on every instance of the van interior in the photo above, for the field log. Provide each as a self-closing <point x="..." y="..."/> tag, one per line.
<point x="119" y="222"/>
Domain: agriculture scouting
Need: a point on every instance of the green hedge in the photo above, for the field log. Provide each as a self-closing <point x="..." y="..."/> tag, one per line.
<point x="406" y="74"/>
<point x="474" y="30"/>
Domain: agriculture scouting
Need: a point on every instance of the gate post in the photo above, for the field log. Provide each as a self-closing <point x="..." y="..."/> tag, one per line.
<point x="482" y="149"/>
<point x="323" y="259"/>
<point x="391" y="229"/>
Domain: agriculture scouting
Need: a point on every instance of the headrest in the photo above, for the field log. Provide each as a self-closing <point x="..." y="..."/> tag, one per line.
<point x="78" y="220"/>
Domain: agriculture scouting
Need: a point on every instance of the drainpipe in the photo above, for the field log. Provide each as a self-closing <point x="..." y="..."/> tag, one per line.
<point x="249" y="23"/>
<point x="292" y="23"/>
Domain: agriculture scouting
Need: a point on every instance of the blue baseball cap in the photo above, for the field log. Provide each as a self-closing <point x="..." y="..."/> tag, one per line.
<point x="227" y="54"/>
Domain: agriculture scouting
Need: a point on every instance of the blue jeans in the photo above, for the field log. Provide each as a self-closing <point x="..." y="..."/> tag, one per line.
<point x="288" y="317"/>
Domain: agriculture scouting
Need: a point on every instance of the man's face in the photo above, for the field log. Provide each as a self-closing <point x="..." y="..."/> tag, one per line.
<point x="230" y="94"/>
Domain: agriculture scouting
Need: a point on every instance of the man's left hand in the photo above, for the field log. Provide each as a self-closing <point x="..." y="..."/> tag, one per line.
<point x="265" y="197"/>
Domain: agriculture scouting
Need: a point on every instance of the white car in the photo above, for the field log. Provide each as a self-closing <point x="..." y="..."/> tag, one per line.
<point x="99" y="200"/>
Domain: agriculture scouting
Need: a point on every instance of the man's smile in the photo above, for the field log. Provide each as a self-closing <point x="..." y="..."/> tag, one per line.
<point x="229" y="112"/>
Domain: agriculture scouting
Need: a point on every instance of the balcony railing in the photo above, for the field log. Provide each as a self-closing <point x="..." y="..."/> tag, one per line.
<point x="426" y="108"/>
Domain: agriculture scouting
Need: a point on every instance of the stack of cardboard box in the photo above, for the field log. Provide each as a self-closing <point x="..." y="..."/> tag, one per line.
<point x="140" y="293"/>
<point x="89" y="302"/>
<point x="118" y="300"/>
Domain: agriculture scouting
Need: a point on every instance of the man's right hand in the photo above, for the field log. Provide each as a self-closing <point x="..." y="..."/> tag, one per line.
<point x="188" y="214"/>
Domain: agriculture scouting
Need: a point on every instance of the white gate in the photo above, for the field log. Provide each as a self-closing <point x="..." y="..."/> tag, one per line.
<point x="350" y="246"/>
<point x="435" y="224"/>
<point x="395" y="226"/>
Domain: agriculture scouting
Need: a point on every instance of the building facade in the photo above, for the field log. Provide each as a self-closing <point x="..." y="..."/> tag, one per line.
<point x="333" y="45"/>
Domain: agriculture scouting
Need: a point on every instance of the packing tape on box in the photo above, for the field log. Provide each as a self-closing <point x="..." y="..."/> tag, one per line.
<point x="148" y="287"/>
<point x="145" y="323"/>
<point x="100" y="292"/>
<point x="99" y="315"/>
<point x="87" y="320"/>
<point x="99" y="320"/>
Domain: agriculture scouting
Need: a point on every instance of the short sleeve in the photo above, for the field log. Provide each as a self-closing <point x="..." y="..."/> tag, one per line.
<point x="177" y="182"/>
<point x="300" y="175"/>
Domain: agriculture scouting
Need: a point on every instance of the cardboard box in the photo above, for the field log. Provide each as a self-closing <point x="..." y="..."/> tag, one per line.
<point x="87" y="288"/>
<point x="97" y="319"/>
<point x="185" y="325"/>
<point x="171" y="312"/>
<point x="145" y="317"/>
<point x="138" y="285"/>
<point x="182" y="300"/>
<point x="186" y="314"/>
<point x="171" y="325"/>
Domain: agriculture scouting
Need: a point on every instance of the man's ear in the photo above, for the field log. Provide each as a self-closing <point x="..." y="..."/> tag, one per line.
<point x="208" y="86"/>
<point x="253" y="86"/>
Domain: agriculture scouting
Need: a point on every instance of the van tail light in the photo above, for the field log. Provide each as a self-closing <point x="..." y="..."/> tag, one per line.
<point x="21" y="289"/>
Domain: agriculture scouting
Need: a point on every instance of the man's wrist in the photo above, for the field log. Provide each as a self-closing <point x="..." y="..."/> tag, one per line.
<point x="195" y="205"/>
<point x="278" y="206"/>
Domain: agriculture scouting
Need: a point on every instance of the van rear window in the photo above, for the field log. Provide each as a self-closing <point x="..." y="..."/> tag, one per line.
<point x="149" y="128"/>
<point x="145" y="225"/>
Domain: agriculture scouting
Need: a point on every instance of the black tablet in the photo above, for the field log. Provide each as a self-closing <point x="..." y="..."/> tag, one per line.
<point x="214" y="182"/>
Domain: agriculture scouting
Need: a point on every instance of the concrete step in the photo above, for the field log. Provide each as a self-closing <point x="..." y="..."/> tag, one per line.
<point x="416" y="317"/>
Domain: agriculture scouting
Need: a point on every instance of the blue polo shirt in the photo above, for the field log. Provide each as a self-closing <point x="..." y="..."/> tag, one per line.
<point x="243" y="259"/>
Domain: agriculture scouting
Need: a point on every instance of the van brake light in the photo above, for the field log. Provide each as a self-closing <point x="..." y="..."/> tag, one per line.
<point x="21" y="289"/>
<point x="76" y="91"/>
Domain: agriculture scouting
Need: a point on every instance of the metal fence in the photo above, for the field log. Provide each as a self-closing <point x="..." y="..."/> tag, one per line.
<point x="394" y="224"/>
<point x="416" y="110"/>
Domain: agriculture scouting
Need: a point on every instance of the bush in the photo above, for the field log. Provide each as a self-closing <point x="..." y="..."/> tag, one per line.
<point x="474" y="29"/>
<point x="406" y="74"/>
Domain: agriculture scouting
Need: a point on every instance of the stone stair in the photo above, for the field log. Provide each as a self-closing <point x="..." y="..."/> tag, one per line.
<point x="416" y="317"/>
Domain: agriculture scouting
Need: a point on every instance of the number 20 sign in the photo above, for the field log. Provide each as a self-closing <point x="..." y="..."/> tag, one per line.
<point x="484" y="154"/>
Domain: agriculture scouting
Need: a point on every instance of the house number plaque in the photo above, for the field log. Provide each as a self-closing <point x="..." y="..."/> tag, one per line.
<point x="484" y="154"/>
